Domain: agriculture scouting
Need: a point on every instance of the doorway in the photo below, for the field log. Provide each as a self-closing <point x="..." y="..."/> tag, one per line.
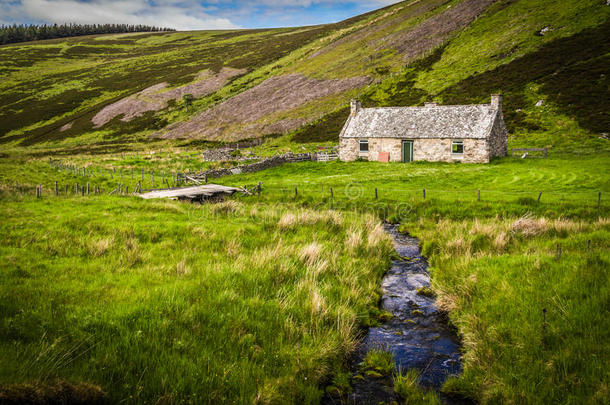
<point x="407" y="151"/>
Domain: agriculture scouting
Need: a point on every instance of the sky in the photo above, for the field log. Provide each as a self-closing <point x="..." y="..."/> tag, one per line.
<point x="186" y="14"/>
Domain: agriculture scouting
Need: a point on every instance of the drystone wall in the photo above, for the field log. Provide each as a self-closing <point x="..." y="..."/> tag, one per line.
<point x="258" y="166"/>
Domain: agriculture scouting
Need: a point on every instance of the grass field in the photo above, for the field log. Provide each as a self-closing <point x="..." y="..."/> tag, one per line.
<point x="201" y="306"/>
<point x="528" y="296"/>
<point x="173" y="302"/>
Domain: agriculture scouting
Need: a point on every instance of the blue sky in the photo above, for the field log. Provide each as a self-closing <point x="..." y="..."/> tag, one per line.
<point x="186" y="14"/>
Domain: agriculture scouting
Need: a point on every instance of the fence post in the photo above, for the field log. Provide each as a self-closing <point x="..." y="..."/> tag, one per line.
<point x="376" y="195"/>
<point x="38" y="191"/>
<point x="87" y="188"/>
<point x="296" y="192"/>
<point x="539" y="195"/>
<point x="56" y="189"/>
<point x="424" y="193"/>
<point x="67" y="189"/>
<point x="75" y="188"/>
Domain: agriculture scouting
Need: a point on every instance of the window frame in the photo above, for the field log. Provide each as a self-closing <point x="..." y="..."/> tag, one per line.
<point x="363" y="142"/>
<point x="457" y="142"/>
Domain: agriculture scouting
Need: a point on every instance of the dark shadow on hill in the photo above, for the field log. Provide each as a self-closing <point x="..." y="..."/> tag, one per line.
<point x="573" y="73"/>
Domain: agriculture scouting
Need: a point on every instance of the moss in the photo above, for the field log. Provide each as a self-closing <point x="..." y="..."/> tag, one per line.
<point x="384" y="316"/>
<point x="426" y="292"/>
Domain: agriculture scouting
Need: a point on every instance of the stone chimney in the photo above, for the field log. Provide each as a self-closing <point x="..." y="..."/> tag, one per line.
<point x="356" y="106"/>
<point x="496" y="101"/>
<point x="430" y="104"/>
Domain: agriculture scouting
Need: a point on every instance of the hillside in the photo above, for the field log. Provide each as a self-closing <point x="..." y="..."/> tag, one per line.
<point x="123" y="89"/>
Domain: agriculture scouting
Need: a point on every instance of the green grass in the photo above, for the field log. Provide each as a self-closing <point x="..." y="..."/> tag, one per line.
<point x="177" y="302"/>
<point x="379" y="362"/>
<point x="527" y="296"/>
<point x="198" y="301"/>
<point x="407" y="387"/>
<point x="262" y="299"/>
<point x="509" y="185"/>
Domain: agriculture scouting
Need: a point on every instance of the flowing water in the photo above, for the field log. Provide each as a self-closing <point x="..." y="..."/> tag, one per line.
<point x="417" y="335"/>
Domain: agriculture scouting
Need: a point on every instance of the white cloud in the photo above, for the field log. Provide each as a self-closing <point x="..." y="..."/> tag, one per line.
<point x="178" y="14"/>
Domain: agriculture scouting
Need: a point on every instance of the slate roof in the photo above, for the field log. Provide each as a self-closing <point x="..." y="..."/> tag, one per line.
<point x="454" y="121"/>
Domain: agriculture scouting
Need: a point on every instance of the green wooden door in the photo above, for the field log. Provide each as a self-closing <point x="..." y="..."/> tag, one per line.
<point x="407" y="151"/>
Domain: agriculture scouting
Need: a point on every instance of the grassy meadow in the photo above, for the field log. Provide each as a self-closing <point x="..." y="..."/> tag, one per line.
<point x="171" y="302"/>
<point x="151" y="301"/>
<point x="527" y="295"/>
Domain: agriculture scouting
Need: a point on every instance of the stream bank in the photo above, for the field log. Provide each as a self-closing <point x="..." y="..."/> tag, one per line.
<point x="417" y="335"/>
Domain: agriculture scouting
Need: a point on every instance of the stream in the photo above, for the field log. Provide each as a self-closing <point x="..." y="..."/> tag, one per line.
<point x="417" y="335"/>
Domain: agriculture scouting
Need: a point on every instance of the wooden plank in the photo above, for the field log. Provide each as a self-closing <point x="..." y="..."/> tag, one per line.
<point x="207" y="190"/>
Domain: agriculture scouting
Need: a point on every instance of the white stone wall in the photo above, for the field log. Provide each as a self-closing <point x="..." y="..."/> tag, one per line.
<point x="348" y="149"/>
<point x="432" y="150"/>
<point x="498" y="139"/>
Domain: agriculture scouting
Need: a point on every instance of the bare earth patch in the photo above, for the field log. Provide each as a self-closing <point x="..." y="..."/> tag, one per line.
<point x="156" y="97"/>
<point x="277" y="94"/>
<point x="435" y="30"/>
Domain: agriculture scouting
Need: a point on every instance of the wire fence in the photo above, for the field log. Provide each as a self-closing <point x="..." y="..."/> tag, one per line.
<point x="87" y="181"/>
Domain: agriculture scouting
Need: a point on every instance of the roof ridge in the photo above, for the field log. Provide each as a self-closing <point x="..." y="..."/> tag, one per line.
<point x="423" y="106"/>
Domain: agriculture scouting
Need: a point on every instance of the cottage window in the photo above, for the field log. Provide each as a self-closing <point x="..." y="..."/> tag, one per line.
<point x="457" y="147"/>
<point x="364" y="145"/>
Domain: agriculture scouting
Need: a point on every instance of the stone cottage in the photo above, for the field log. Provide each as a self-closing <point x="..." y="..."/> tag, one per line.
<point x="452" y="133"/>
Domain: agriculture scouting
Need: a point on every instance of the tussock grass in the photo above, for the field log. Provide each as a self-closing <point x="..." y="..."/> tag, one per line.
<point x="526" y="294"/>
<point x="184" y="302"/>
<point x="378" y="361"/>
<point x="406" y="385"/>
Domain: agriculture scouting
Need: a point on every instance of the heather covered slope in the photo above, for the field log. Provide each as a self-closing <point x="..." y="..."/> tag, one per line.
<point x="247" y="84"/>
